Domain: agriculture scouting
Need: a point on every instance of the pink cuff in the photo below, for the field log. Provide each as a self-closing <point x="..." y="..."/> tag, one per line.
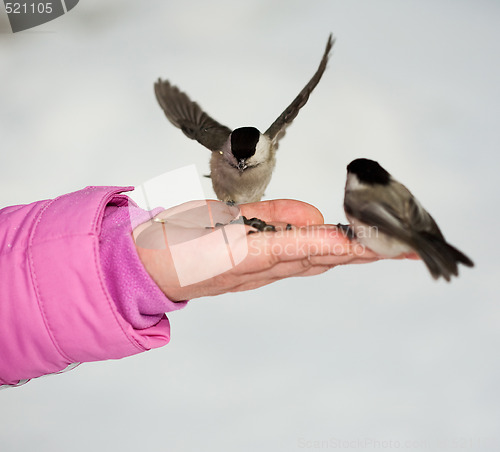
<point x="137" y="297"/>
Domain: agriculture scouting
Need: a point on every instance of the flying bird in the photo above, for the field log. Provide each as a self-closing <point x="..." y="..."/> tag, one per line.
<point x="242" y="159"/>
<point x="389" y="220"/>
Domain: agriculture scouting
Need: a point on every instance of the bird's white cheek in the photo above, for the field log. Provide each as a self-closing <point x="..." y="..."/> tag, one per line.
<point x="352" y="183"/>
<point x="262" y="151"/>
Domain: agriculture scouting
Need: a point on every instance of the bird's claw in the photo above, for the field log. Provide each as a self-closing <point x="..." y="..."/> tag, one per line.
<point x="347" y="230"/>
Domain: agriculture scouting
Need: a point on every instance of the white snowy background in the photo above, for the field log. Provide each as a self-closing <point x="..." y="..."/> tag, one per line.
<point x="367" y="357"/>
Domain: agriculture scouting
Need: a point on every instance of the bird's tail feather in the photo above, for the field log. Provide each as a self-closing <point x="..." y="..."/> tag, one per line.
<point x="440" y="257"/>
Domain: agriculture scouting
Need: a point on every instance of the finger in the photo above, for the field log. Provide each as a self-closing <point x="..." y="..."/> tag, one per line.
<point x="353" y="258"/>
<point x="281" y="271"/>
<point x="413" y="256"/>
<point x="320" y="240"/>
<point x="283" y="210"/>
<point x="285" y="269"/>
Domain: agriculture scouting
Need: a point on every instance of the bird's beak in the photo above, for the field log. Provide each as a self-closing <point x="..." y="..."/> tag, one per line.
<point x="242" y="165"/>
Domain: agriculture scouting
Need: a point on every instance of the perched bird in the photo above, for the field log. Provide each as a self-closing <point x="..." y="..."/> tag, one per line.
<point x="389" y="220"/>
<point x="242" y="160"/>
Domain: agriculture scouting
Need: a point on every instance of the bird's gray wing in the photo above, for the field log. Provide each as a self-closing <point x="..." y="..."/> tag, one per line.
<point x="387" y="210"/>
<point x="420" y="220"/>
<point x="277" y="129"/>
<point x="440" y="257"/>
<point x="400" y="216"/>
<point x="187" y="115"/>
<point x="379" y="214"/>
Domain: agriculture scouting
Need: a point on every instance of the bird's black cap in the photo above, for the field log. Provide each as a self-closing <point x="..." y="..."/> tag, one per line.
<point x="243" y="142"/>
<point x="369" y="172"/>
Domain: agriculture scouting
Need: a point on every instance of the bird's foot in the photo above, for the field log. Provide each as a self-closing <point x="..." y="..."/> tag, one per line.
<point x="347" y="230"/>
<point x="259" y="225"/>
<point x="256" y="223"/>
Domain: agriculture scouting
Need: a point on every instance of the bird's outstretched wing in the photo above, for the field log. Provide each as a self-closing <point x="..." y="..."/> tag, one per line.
<point x="187" y="115"/>
<point x="277" y="129"/>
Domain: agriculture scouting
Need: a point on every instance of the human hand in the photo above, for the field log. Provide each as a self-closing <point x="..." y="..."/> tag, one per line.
<point x="308" y="247"/>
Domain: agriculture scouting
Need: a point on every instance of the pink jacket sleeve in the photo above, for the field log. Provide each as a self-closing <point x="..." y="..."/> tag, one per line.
<point x="55" y="305"/>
